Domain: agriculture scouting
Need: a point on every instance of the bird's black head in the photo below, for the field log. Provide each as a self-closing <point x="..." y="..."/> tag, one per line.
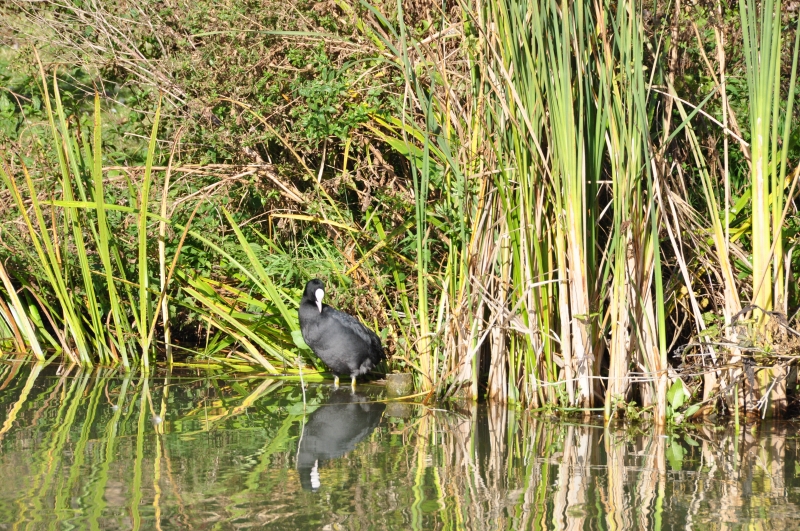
<point x="314" y="292"/>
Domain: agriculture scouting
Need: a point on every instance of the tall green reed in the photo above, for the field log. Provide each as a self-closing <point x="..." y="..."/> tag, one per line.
<point x="269" y="333"/>
<point x="16" y="322"/>
<point x="636" y="297"/>
<point x="763" y="45"/>
<point x="763" y="42"/>
<point x="728" y="231"/>
<point x="550" y="141"/>
<point x="89" y="312"/>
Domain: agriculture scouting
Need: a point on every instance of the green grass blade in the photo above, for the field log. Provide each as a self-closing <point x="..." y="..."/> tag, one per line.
<point x="266" y="282"/>
<point x="21" y="317"/>
<point x="144" y="277"/>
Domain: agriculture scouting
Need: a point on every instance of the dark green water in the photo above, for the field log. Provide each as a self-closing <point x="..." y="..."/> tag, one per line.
<point x="94" y="450"/>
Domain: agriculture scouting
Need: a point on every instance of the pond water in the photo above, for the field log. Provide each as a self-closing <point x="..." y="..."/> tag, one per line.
<point x="98" y="450"/>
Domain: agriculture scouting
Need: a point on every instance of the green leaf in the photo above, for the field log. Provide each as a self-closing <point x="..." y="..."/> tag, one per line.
<point x="239" y="389"/>
<point x="298" y="408"/>
<point x="297" y="337"/>
<point x="676" y="395"/>
<point x="691" y="410"/>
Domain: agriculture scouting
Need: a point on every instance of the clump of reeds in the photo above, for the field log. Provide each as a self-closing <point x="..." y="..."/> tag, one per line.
<point x="556" y="124"/>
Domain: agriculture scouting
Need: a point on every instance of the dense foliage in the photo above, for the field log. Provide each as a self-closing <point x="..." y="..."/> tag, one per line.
<point x="535" y="202"/>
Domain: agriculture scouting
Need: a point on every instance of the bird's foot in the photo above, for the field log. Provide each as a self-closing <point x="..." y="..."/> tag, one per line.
<point x="353" y="384"/>
<point x="335" y="382"/>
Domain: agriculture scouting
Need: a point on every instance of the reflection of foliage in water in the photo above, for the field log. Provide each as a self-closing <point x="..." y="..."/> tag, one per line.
<point x="95" y="450"/>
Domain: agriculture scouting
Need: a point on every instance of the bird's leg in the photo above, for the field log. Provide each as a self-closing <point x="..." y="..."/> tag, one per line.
<point x="336" y="381"/>
<point x="353" y="383"/>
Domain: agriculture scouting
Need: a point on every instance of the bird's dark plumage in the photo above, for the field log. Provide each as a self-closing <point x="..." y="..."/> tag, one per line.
<point x="333" y="430"/>
<point x="344" y="344"/>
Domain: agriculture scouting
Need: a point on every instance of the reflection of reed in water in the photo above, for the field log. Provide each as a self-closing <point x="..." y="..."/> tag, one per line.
<point x="503" y="470"/>
<point x="333" y="430"/>
<point x="615" y="498"/>
<point x="79" y="451"/>
<point x="747" y="477"/>
<point x="570" y="501"/>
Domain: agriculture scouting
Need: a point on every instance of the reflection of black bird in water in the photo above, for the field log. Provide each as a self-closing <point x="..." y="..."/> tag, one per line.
<point x="339" y="339"/>
<point x="333" y="430"/>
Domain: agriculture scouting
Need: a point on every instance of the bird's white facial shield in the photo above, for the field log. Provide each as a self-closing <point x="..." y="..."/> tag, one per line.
<point x="319" y="294"/>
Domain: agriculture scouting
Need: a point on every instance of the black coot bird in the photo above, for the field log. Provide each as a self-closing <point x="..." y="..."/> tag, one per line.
<point x="334" y="430"/>
<point x="344" y="344"/>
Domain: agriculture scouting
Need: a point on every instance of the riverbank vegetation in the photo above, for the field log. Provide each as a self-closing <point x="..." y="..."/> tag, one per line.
<point x="554" y="204"/>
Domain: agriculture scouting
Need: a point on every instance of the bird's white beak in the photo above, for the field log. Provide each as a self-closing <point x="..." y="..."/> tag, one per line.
<point x="319" y="294"/>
